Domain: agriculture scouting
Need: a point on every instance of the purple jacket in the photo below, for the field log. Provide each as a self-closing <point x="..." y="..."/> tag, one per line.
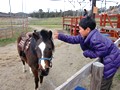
<point x="96" y="45"/>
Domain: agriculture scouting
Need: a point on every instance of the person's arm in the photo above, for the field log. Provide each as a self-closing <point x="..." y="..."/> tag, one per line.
<point x="98" y="50"/>
<point x="70" y="39"/>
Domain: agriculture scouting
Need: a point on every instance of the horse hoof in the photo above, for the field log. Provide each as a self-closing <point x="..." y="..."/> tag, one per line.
<point x="24" y="71"/>
<point x="37" y="89"/>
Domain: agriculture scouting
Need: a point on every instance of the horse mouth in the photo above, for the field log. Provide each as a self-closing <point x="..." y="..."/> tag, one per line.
<point x="44" y="72"/>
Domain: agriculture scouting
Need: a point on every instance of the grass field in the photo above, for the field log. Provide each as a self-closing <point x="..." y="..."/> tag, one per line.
<point x="43" y="22"/>
<point x="47" y="22"/>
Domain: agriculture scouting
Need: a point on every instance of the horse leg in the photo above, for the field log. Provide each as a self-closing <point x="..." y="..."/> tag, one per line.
<point x="30" y="70"/>
<point x="36" y="83"/>
<point x="24" y="68"/>
<point x="41" y="79"/>
<point x="35" y="72"/>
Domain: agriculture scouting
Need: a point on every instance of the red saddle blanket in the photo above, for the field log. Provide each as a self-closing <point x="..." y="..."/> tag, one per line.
<point x="24" y="43"/>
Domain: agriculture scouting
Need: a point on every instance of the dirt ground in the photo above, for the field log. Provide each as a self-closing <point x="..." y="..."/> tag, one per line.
<point x="68" y="59"/>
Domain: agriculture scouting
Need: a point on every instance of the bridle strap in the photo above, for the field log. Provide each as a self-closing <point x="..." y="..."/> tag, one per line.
<point x="49" y="59"/>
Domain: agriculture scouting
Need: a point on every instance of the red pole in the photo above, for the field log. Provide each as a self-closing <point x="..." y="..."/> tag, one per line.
<point x="118" y="21"/>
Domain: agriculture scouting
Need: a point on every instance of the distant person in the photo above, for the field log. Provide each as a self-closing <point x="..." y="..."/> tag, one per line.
<point x="85" y="12"/>
<point x="95" y="45"/>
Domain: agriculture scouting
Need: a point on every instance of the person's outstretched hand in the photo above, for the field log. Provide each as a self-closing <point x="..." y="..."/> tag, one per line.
<point x="55" y="36"/>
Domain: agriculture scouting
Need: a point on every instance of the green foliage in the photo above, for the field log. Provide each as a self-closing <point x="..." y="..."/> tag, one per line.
<point x="41" y="14"/>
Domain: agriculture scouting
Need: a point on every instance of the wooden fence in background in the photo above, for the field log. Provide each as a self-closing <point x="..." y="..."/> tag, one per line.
<point x="9" y="26"/>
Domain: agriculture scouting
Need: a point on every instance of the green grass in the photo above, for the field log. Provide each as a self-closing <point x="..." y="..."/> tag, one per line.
<point x="6" y="41"/>
<point x="47" y="22"/>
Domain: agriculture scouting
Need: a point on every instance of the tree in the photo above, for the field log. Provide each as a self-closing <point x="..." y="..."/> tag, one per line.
<point x="40" y="12"/>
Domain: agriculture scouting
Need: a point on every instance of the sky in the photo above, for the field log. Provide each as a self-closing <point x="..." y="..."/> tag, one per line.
<point x="29" y="6"/>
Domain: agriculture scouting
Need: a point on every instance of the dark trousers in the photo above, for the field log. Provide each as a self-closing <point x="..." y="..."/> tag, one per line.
<point x="106" y="83"/>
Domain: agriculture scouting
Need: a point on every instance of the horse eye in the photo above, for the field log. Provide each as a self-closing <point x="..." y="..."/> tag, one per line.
<point x="49" y="48"/>
<point x="36" y="48"/>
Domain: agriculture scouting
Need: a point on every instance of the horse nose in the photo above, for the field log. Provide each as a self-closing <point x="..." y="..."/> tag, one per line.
<point x="45" y="72"/>
<point x="43" y="68"/>
<point x="47" y="69"/>
<point x="49" y="65"/>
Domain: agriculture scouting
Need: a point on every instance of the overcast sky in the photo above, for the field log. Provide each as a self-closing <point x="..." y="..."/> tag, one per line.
<point x="28" y="6"/>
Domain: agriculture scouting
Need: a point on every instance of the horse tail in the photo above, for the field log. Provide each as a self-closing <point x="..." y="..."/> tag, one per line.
<point x="19" y="48"/>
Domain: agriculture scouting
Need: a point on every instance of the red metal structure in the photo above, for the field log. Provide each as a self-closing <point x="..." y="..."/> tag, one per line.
<point x="71" y="24"/>
<point x="108" y="24"/>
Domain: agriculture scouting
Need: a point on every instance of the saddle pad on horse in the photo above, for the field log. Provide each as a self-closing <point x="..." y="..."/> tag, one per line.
<point x="24" y="42"/>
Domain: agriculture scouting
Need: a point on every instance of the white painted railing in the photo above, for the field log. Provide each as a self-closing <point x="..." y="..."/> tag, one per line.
<point x="95" y="68"/>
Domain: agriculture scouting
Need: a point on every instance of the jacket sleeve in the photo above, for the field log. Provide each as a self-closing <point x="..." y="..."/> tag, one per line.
<point x="70" y="39"/>
<point x="90" y="54"/>
<point x="98" y="50"/>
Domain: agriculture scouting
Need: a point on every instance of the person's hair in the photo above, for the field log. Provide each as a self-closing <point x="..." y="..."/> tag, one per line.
<point x="87" y="22"/>
<point x="85" y="10"/>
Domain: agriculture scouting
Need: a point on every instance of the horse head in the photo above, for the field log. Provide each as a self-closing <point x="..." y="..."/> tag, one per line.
<point x="44" y="50"/>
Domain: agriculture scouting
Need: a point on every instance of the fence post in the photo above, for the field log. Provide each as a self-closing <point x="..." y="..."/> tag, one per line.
<point x="96" y="77"/>
<point x="63" y="22"/>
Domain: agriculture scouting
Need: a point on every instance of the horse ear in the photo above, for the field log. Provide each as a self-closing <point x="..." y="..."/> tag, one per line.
<point x="35" y="30"/>
<point x="36" y="35"/>
<point x="50" y="34"/>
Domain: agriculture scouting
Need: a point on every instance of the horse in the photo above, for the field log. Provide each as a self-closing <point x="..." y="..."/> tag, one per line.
<point x="37" y="52"/>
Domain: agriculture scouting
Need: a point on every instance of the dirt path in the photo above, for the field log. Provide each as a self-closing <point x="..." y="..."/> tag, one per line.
<point x="67" y="60"/>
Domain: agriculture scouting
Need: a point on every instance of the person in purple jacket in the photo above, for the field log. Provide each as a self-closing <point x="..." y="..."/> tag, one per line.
<point x="94" y="45"/>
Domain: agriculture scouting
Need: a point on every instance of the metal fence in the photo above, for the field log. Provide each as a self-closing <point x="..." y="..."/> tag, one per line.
<point x="9" y="26"/>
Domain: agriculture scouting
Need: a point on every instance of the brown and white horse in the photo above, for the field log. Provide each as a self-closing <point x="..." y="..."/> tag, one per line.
<point x="38" y="54"/>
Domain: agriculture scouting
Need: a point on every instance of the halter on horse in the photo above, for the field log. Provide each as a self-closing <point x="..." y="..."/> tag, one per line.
<point x="37" y="52"/>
